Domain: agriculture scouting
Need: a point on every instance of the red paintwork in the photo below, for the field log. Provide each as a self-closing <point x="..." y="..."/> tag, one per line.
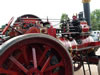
<point x="28" y="57"/>
<point x="32" y="30"/>
<point x="35" y="51"/>
<point x="52" y="31"/>
<point x="85" y="27"/>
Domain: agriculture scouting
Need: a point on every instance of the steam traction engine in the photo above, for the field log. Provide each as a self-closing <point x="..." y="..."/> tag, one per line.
<point x="34" y="47"/>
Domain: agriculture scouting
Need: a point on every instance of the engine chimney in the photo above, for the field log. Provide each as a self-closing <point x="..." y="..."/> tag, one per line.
<point x="86" y="6"/>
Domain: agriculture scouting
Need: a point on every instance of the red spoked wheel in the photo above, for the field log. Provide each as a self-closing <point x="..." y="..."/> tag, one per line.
<point x="34" y="54"/>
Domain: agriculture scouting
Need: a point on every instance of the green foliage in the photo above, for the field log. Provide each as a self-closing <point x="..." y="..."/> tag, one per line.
<point x="64" y="17"/>
<point x="3" y="26"/>
<point x="95" y="19"/>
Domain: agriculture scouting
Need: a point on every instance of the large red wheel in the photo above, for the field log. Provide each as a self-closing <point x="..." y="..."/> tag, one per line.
<point x="34" y="54"/>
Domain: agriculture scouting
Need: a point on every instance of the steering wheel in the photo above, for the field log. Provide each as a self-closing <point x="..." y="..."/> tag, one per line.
<point x="8" y="25"/>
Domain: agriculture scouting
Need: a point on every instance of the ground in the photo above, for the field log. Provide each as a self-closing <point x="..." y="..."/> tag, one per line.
<point x="94" y="68"/>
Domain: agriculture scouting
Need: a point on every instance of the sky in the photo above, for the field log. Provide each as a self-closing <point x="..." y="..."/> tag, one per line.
<point x="42" y="8"/>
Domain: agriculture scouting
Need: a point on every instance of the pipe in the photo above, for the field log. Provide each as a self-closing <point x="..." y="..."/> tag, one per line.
<point x="86" y="7"/>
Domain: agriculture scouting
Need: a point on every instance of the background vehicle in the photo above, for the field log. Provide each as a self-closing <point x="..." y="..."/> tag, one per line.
<point x="96" y="35"/>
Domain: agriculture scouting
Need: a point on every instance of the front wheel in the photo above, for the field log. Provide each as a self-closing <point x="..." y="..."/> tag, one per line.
<point x="34" y="54"/>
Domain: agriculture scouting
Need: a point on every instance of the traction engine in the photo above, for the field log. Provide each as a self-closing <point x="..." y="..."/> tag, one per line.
<point x="31" y="48"/>
<point x="34" y="47"/>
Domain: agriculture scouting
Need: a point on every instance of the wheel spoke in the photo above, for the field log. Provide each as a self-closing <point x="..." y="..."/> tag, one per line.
<point x="43" y="55"/>
<point x="24" y="51"/>
<point x="46" y="63"/>
<point x="11" y="66"/>
<point x="34" y="57"/>
<point x="66" y="65"/>
<point x="54" y="66"/>
<point x="18" y="64"/>
<point x="7" y="72"/>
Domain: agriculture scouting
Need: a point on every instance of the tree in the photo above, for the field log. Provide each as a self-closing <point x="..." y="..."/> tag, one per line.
<point x="95" y="19"/>
<point x="64" y="17"/>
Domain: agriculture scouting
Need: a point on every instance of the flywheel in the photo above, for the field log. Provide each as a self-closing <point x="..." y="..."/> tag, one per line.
<point x="34" y="54"/>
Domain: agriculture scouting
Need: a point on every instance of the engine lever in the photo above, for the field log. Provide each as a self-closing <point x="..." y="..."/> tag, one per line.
<point x="16" y="30"/>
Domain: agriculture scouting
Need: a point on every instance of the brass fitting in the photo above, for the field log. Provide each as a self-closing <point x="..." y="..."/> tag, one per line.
<point x="86" y="1"/>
